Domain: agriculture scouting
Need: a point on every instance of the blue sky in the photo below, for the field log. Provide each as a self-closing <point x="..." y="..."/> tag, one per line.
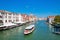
<point x="40" y="8"/>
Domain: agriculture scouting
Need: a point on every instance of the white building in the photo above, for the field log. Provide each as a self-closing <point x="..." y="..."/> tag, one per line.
<point x="18" y="18"/>
<point x="9" y="17"/>
<point x="51" y="19"/>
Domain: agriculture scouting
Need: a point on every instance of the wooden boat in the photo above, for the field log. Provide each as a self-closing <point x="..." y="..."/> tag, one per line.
<point x="29" y="29"/>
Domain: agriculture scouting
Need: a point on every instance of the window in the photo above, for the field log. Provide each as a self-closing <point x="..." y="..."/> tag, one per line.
<point x="5" y="20"/>
<point x="10" y="21"/>
<point x="9" y="13"/>
<point x="9" y="16"/>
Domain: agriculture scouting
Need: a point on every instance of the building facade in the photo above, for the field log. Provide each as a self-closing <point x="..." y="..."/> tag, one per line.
<point x="51" y="19"/>
<point x="9" y="17"/>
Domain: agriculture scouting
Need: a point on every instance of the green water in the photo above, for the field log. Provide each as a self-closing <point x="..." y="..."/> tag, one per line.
<point x="42" y="32"/>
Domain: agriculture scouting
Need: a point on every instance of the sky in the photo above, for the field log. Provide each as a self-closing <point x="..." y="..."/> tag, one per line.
<point x="40" y="8"/>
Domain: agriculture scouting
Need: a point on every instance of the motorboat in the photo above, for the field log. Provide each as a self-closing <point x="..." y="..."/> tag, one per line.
<point x="29" y="29"/>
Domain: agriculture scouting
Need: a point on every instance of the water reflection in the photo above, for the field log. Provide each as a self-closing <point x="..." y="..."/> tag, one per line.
<point x="51" y="28"/>
<point x="54" y="30"/>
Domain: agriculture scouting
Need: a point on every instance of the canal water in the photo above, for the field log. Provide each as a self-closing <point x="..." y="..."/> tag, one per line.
<point x="42" y="32"/>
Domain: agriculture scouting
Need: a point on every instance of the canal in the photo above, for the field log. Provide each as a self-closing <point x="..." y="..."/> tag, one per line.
<point x="42" y="32"/>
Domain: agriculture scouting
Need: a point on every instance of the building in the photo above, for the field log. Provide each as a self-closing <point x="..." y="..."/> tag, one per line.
<point x="32" y="18"/>
<point x="9" y="17"/>
<point x="18" y="18"/>
<point x="6" y="17"/>
<point x="51" y="19"/>
<point x="24" y="17"/>
<point x="28" y="18"/>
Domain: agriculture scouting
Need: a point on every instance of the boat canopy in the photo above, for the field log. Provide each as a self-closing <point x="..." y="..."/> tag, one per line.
<point x="29" y="27"/>
<point x="7" y="24"/>
<point x="20" y="22"/>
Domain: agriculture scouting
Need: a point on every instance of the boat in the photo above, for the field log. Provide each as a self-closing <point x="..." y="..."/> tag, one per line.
<point x="19" y="23"/>
<point x="29" y="29"/>
<point x="2" y="27"/>
<point x="7" y="26"/>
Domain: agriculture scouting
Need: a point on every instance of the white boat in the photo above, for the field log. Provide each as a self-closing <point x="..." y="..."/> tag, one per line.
<point x="7" y="26"/>
<point x="29" y="29"/>
<point x="20" y="23"/>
